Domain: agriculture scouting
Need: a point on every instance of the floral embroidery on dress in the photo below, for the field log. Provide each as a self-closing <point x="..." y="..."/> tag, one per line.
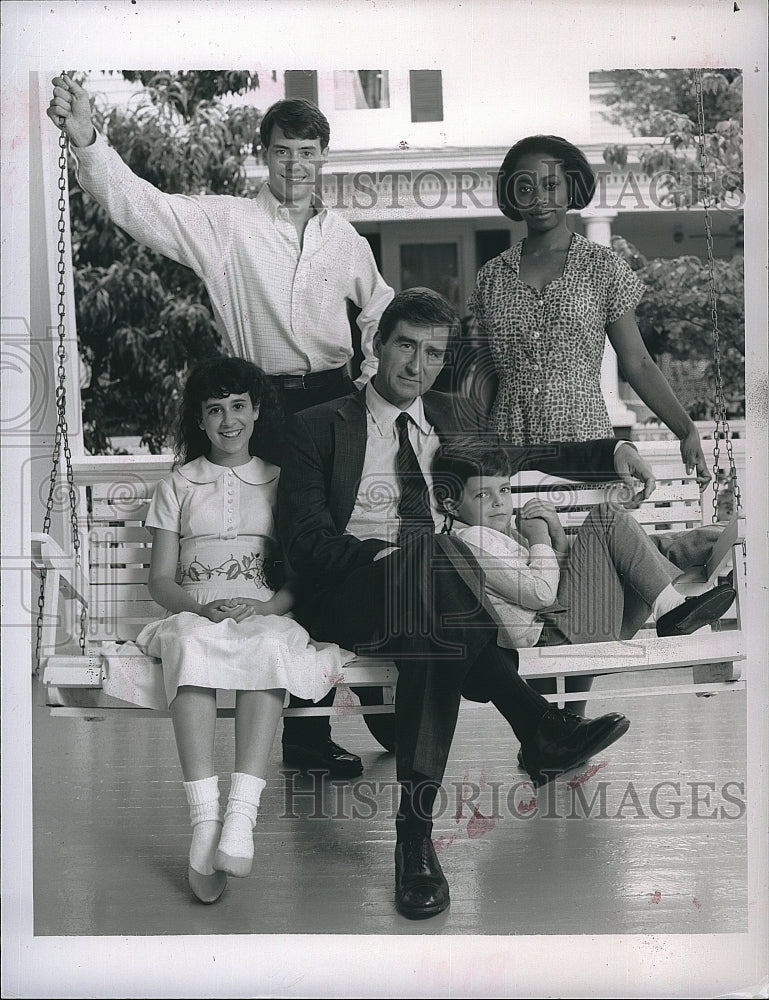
<point x="254" y="568"/>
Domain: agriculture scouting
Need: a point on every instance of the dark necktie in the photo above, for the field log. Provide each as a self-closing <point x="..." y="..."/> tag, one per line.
<point x="414" y="503"/>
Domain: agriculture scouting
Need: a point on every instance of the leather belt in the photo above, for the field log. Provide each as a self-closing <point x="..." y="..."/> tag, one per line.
<point x="311" y="380"/>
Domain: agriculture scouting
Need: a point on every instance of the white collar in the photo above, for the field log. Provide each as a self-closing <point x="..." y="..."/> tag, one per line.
<point x="255" y="473"/>
<point x="384" y="414"/>
<point x="272" y="204"/>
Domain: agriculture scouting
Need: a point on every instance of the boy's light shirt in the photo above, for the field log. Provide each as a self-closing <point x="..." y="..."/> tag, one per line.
<point x="521" y="581"/>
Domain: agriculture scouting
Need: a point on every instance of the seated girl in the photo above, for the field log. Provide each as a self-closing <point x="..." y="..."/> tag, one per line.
<point x="214" y="548"/>
<point x="545" y="591"/>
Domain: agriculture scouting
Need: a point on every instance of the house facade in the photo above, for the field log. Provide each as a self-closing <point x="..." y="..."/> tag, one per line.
<point x="413" y="167"/>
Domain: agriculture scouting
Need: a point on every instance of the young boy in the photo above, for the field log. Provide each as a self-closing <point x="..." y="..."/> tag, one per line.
<point x="544" y="590"/>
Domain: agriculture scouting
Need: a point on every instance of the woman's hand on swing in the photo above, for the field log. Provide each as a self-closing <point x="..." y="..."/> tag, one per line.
<point x="693" y="458"/>
<point x="72" y="104"/>
<point x="630" y="466"/>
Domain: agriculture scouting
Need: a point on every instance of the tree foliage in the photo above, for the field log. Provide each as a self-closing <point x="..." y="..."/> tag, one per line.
<point x="675" y="315"/>
<point x="676" y="322"/>
<point x="663" y="103"/>
<point x="184" y="91"/>
<point x="143" y="319"/>
<point x="638" y="95"/>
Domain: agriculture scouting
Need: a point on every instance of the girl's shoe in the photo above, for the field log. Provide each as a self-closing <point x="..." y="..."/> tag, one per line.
<point x="231" y="864"/>
<point x="207" y="888"/>
<point x="235" y="853"/>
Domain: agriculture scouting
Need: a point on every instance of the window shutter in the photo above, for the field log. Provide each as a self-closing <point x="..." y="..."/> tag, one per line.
<point x="426" y="95"/>
<point x="301" y="83"/>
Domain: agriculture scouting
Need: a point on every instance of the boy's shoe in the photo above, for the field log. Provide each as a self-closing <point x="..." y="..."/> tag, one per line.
<point x="697" y="611"/>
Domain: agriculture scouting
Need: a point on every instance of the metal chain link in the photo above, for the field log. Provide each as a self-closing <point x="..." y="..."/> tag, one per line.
<point x="61" y="438"/>
<point x="721" y="429"/>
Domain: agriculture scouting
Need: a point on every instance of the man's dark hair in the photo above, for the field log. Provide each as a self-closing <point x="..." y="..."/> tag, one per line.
<point x="460" y="459"/>
<point x="298" y="118"/>
<point x="422" y="307"/>
<point x="579" y="174"/>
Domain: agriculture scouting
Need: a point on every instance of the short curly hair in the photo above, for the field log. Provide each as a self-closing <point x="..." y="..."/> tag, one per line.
<point x="580" y="177"/>
<point x="215" y="379"/>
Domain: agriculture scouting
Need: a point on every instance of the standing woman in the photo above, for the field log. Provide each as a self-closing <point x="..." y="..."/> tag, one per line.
<point x="545" y="306"/>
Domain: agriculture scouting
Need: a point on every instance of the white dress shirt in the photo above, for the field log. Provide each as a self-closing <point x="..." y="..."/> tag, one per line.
<point x="277" y="304"/>
<point x="375" y="514"/>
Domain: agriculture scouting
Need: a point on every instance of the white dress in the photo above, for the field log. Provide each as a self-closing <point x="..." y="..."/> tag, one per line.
<point x="226" y="526"/>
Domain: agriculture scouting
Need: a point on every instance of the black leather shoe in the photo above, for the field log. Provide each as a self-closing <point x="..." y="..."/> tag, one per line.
<point x="697" y="611"/>
<point x="564" y="740"/>
<point x="325" y="756"/>
<point x="421" y="889"/>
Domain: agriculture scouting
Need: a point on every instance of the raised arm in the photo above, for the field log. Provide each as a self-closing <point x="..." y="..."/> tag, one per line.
<point x="192" y="230"/>
<point x="71" y="106"/>
<point x="372" y="294"/>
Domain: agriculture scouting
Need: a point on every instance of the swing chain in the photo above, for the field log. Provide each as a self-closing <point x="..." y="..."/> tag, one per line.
<point x="721" y="429"/>
<point x="61" y="438"/>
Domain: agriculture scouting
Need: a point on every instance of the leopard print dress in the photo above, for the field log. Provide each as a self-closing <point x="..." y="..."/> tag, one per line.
<point x="547" y="346"/>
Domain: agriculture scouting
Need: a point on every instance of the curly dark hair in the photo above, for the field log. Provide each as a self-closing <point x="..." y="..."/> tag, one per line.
<point x="580" y="178"/>
<point x="216" y="379"/>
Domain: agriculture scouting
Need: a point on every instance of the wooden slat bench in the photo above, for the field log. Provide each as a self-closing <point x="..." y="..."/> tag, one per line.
<point x="114" y="496"/>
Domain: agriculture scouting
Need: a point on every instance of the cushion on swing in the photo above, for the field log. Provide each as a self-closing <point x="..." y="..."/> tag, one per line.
<point x="132" y="676"/>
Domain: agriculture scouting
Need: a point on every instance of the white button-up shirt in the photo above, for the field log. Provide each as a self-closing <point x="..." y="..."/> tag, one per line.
<point x="280" y="305"/>
<point x="375" y="514"/>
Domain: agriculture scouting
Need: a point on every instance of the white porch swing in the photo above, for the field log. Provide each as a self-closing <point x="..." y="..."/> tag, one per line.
<point x="94" y="600"/>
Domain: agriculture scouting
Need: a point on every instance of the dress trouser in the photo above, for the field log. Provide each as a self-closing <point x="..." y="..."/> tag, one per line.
<point x="423" y="607"/>
<point x="315" y="729"/>
<point x="613" y="575"/>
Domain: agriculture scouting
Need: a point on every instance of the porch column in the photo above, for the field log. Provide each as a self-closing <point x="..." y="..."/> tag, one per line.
<point x="598" y="229"/>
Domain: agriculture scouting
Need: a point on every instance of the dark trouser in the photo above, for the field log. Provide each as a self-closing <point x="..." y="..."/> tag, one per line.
<point x="423" y="607"/>
<point x="309" y="729"/>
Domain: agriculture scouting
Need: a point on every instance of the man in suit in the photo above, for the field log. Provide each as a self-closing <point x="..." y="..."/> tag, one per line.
<point x="358" y="528"/>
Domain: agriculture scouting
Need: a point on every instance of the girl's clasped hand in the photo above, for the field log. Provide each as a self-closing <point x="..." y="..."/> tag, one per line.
<point x="236" y="608"/>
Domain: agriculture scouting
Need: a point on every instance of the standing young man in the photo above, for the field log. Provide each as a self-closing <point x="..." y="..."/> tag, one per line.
<point x="279" y="269"/>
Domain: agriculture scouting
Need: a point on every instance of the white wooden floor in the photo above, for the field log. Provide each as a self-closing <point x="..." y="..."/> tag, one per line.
<point x="663" y="852"/>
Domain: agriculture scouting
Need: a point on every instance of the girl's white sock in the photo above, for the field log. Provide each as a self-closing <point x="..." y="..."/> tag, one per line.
<point x="206" y="820"/>
<point x="237" y="839"/>
<point x="665" y="601"/>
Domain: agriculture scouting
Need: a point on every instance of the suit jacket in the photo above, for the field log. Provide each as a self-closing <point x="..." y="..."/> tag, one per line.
<point x="322" y="467"/>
